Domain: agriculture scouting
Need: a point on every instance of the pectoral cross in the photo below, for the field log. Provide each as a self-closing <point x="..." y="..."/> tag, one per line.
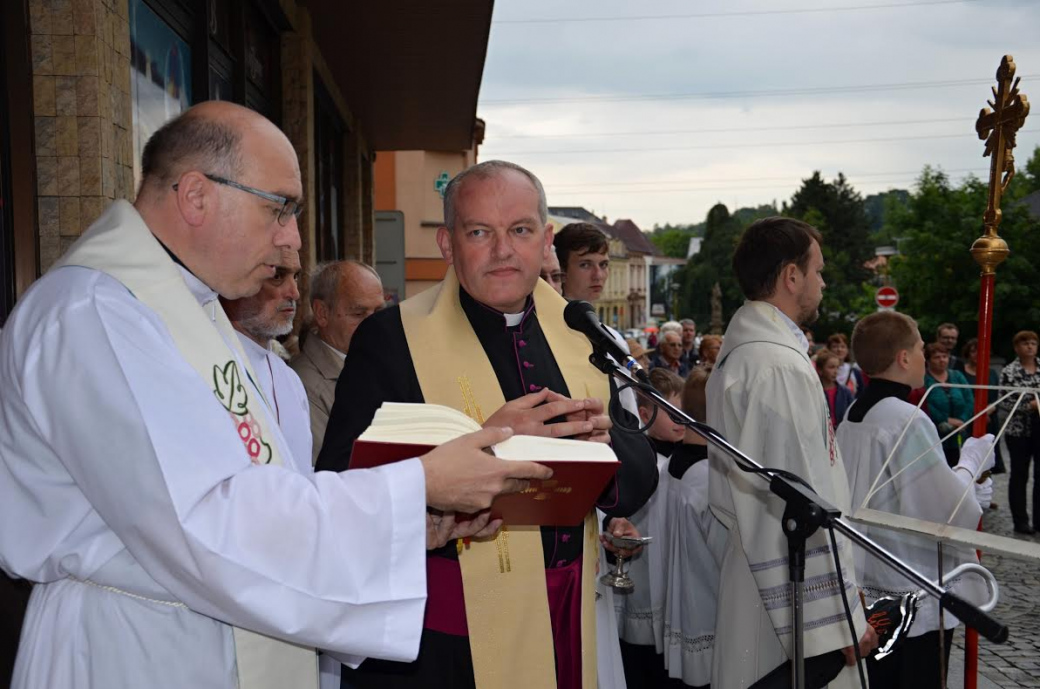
<point x="997" y="126"/>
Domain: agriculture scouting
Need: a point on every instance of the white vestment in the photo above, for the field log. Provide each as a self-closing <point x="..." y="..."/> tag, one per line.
<point x="610" y="672"/>
<point x="128" y="497"/>
<point x="765" y="397"/>
<point x="926" y="489"/>
<point x="698" y="545"/>
<point x="285" y="393"/>
<point x="640" y="611"/>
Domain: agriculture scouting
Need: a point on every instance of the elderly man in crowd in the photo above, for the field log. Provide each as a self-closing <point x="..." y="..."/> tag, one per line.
<point x="690" y="355"/>
<point x="145" y="486"/>
<point x="343" y="294"/>
<point x="669" y="354"/>
<point x="259" y="319"/>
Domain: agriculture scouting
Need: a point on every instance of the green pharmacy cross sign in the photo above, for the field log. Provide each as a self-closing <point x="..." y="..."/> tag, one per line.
<point x="441" y="183"/>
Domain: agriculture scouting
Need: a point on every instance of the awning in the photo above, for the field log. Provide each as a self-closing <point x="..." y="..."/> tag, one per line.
<point x="409" y="70"/>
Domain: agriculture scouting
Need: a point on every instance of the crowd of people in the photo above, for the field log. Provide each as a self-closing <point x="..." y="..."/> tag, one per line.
<point x="183" y="499"/>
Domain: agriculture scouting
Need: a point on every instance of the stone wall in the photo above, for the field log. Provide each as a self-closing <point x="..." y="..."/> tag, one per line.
<point x="81" y="106"/>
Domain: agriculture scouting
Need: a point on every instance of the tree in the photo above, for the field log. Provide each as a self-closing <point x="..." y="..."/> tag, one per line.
<point x="935" y="273"/>
<point x="714" y="263"/>
<point x="672" y="242"/>
<point x="837" y="211"/>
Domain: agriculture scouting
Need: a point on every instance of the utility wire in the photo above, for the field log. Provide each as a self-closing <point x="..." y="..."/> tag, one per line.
<point x="773" y="144"/>
<point x="800" y="91"/>
<point x="739" y="13"/>
<point x="727" y="179"/>
<point x="794" y="127"/>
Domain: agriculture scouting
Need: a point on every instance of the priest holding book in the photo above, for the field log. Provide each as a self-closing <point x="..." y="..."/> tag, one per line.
<point x="516" y="610"/>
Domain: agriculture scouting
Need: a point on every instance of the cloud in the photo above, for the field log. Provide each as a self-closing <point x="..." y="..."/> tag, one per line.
<point x="629" y="170"/>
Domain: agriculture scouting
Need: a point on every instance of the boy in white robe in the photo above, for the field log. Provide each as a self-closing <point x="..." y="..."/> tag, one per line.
<point x="917" y="482"/>
<point x="640" y="611"/>
<point x="698" y="544"/>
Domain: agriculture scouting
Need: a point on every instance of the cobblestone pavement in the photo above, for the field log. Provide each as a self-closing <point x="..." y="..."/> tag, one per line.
<point x="1017" y="662"/>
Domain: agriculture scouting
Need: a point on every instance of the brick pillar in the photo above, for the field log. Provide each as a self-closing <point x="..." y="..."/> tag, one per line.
<point x="353" y="207"/>
<point x="298" y="125"/>
<point x="81" y="105"/>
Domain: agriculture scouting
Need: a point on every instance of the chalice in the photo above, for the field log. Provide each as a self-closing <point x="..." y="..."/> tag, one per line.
<point x="618" y="577"/>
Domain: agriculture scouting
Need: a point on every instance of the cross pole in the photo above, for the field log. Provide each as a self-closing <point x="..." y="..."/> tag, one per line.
<point x="997" y="125"/>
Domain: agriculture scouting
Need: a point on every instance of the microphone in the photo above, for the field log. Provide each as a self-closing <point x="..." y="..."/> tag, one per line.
<point x="579" y="315"/>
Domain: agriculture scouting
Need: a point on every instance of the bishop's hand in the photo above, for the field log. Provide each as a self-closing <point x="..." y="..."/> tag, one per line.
<point x="442" y="527"/>
<point x="530" y="415"/>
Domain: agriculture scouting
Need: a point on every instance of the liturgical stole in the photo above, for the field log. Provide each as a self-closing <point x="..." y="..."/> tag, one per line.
<point x="121" y="245"/>
<point x="503" y="578"/>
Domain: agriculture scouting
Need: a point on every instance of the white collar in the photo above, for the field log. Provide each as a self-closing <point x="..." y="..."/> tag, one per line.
<point x="513" y="319"/>
<point x="793" y="327"/>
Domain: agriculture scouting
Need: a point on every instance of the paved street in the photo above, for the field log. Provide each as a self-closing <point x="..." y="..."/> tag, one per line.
<point x="1016" y="663"/>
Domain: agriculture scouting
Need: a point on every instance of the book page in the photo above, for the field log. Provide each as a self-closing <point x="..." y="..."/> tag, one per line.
<point x="537" y="449"/>
<point x="419" y="424"/>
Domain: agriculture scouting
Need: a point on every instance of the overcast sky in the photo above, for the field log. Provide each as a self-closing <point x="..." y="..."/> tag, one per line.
<point x="659" y="115"/>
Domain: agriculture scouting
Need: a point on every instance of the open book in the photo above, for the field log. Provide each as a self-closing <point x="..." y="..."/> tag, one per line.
<point x="581" y="470"/>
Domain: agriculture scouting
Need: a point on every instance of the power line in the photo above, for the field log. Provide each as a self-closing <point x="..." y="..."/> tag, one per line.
<point x="764" y="93"/>
<point x="555" y="193"/>
<point x="848" y="175"/>
<point x="775" y="144"/>
<point x="734" y="129"/>
<point x="744" y="13"/>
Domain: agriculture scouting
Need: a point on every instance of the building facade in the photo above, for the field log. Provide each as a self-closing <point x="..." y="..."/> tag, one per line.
<point x="412" y="183"/>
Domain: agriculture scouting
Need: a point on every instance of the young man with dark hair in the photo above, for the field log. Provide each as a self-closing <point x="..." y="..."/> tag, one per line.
<point x="764" y="396"/>
<point x="584" y="258"/>
<point x="882" y="424"/>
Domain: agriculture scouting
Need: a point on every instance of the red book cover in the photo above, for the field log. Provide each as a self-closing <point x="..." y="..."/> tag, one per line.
<point x="563" y="500"/>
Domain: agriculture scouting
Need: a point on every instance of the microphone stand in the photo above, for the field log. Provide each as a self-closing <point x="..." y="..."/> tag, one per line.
<point x="806" y="512"/>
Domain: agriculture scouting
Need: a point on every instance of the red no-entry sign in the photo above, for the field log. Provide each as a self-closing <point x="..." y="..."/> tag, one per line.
<point x="887" y="297"/>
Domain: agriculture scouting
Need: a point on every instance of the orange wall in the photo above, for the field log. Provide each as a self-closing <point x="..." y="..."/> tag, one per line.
<point x="385" y="181"/>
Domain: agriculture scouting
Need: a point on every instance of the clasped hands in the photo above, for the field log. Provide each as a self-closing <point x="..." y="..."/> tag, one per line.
<point x="463" y="479"/>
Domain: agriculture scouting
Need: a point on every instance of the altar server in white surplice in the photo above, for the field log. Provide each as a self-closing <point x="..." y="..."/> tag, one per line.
<point x="917" y="482"/>
<point x="145" y="486"/>
<point x="764" y="397"/>
<point x="640" y="611"/>
<point x="698" y="544"/>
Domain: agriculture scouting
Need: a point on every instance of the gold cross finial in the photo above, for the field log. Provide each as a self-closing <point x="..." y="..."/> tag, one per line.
<point x="997" y="125"/>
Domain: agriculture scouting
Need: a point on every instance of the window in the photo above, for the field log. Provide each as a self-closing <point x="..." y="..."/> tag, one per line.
<point x="328" y="158"/>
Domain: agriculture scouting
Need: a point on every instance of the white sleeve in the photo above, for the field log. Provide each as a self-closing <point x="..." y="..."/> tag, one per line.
<point x="335" y="561"/>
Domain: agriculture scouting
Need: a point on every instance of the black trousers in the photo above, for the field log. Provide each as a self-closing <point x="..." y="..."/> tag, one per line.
<point x="644" y="668"/>
<point x="915" y="665"/>
<point x="1024" y="451"/>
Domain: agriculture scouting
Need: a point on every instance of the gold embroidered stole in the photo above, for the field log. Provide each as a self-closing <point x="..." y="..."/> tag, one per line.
<point x="507" y="610"/>
<point x="121" y="245"/>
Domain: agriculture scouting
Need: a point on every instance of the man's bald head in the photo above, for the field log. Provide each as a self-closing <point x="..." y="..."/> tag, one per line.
<point x="211" y="177"/>
<point x="343" y="294"/>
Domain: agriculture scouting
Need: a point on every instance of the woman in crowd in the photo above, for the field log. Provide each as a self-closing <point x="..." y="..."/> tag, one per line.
<point x="969" y="361"/>
<point x="849" y="374"/>
<point x="948" y="408"/>
<point x="839" y="398"/>
<point x="709" y="351"/>
<point x="1023" y="431"/>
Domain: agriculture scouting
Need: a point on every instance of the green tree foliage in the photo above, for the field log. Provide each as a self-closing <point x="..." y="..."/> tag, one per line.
<point x="838" y="212"/>
<point x="935" y="273"/>
<point x="673" y="242"/>
<point x="714" y="263"/>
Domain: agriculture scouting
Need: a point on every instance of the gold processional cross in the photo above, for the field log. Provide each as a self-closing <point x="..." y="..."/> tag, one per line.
<point x="997" y="125"/>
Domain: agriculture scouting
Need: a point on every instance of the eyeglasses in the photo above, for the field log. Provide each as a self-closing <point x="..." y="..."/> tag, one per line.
<point x="288" y="206"/>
